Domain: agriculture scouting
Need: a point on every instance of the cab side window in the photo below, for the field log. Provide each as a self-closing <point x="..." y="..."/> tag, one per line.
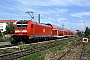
<point x="31" y="25"/>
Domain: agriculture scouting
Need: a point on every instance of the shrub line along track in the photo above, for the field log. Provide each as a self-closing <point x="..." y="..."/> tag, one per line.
<point x="19" y="54"/>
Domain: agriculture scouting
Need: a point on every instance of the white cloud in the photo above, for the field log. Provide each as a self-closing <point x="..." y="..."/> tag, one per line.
<point x="80" y="2"/>
<point x="43" y="2"/>
<point x="35" y="2"/>
<point x="75" y="26"/>
<point x="55" y="2"/>
<point x="56" y="12"/>
<point x="79" y="25"/>
<point x="61" y="19"/>
<point x="55" y="21"/>
<point x="80" y="15"/>
<point x="6" y="7"/>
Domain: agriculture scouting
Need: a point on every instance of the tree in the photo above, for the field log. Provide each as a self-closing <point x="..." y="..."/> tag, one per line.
<point x="77" y="30"/>
<point x="0" y="34"/>
<point x="87" y="31"/>
<point x="79" y="33"/>
<point x="10" y="28"/>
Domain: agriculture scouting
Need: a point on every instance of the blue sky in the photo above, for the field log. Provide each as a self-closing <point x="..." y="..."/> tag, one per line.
<point x="71" y="13"/>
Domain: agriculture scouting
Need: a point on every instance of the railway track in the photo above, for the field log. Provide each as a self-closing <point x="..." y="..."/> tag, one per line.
<point x="15" y="55"/>
<point x="3" y="46"/>
<point x="74" y="53"/>
<point x="11" y="45"/>
<point x="19" y="54"/>
<point x="82" y="52"/>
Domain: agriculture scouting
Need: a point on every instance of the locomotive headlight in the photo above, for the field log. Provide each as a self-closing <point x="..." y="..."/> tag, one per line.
<point x="17" y="31"/>
<point x="24" y="30"/>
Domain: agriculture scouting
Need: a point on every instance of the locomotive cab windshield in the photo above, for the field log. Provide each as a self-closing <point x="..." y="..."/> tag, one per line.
<point x="21" y="27"/>
<point x="22" y="24"/>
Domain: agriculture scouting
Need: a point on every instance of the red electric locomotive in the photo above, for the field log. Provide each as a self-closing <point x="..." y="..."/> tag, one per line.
<point x="27" y="29"/>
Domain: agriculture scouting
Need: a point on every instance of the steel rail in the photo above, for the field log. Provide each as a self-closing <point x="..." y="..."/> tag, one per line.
<point x="15" y="55"/>
<point x="72" y="47"/>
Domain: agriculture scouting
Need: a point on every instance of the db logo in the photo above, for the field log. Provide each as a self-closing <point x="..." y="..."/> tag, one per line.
<point x="85" y="40"/>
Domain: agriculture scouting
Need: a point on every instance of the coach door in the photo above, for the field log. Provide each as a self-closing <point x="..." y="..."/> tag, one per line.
<point x="57" y="32"/>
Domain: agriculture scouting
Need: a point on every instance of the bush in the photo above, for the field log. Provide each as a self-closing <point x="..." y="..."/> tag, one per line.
<point x="5" y="51"/>
<point x="21" y="45"/>
<point x="6" y="39"/>
<point x="1" y="35"/>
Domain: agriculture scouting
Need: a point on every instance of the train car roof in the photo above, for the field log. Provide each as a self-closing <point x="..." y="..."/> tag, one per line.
<point x="57" y="27"/>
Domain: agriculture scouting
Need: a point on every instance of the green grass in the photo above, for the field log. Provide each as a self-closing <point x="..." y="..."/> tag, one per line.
<point x="54" y="49"/>
<point x="5" y="39"/>
<point x="7" y="51"/>
<point x="87" y="49"/>
<point x="36" y="56"/>
<point x="41" y="55"/>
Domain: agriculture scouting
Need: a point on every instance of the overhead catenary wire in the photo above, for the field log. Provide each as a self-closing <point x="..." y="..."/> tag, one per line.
<point x="32" y="6"/>
<point x="23" y="8"/>
<point x="14" y="4"/>
<point x="7" y="11"/>
<point x="11" y="13"/>
<point x="20" y="7"/>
